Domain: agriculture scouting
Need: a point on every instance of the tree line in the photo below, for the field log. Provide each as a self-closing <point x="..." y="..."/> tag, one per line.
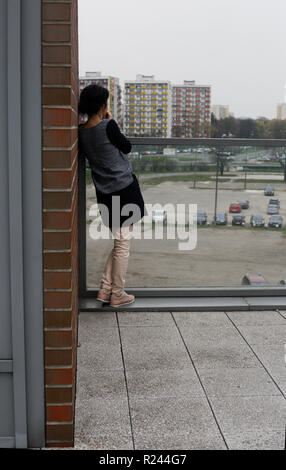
<point x="261" y="128"/>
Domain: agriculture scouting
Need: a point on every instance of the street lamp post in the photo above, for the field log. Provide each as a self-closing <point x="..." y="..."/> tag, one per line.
<point x="195" y="171"/>
<point x="283" y="132"/>
<point x="245" y="174"/>
<point x="216" y="187"/>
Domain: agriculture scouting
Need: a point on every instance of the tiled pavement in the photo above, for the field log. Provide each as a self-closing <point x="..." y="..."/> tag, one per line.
<point x="181" y="380"/>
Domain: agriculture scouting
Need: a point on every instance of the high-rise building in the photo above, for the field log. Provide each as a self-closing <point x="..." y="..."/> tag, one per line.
<point x="147" y="107"/>
<point x="281" y="111"/>
<point x="191" y="110"/>
<point x="113" y="86"/>
<point x="220" y="111"/>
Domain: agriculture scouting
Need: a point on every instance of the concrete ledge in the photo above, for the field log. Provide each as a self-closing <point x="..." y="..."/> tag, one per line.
<point x="171" y="303"/>
<point x="266" y="303"/>
<point x="177" y="304"/>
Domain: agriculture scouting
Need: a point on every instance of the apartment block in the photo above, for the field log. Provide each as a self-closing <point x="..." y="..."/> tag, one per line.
<point x="191" y="110"/>
<point x="115" y="93"/>
<point x="220" y="111"/>
<point x="147" y="107"/>
<point x="281" y="111"/>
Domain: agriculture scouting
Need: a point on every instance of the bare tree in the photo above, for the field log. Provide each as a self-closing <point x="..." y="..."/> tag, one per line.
<point x="280" y="157"/>
<point x="223" y="159"/>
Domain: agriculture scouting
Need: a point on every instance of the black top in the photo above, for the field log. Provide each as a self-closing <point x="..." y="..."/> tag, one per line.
<point x="117" y="138"/>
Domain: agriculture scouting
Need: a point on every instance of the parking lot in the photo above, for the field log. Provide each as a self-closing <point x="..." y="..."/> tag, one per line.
<point x="222" y="255"/>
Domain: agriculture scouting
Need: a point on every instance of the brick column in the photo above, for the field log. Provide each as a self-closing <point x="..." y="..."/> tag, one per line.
<point x="60" y="219"/>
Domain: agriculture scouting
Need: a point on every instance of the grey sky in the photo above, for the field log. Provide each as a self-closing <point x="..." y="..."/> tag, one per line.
<point x="237" y="46"/>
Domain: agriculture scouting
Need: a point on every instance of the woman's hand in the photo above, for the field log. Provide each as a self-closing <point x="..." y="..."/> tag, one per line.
<point x="108" y="115"/>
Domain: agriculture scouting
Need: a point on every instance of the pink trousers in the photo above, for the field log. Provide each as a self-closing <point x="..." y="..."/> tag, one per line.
<point x="113" y="278"/>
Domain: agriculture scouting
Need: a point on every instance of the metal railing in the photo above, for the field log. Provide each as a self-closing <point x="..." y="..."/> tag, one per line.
<point x="226" y="142"/>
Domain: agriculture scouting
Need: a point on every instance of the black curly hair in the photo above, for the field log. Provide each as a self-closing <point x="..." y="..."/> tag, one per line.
<point x="91" y="99"/>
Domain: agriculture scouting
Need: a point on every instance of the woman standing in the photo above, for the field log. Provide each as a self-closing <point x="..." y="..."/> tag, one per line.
<point x="105" y="147"/>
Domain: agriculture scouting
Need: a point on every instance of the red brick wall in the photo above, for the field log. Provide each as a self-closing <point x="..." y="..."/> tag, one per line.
<point x="60" y="219"/>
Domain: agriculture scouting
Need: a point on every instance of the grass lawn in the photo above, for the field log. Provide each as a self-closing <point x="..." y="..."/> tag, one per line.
<point x="187" y="178"/>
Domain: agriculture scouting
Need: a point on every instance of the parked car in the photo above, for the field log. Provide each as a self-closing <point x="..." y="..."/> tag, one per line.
<point x="269" y="190"/>
<point x="254" y="280"/>
<point x="159" y="216"/>
<point x="221" y="218"/>
<point x="201" y="218"/>
<point x="235" y="207"/>
<point x="257" y="220"/>
<point x="244" y="204"/>
<point x="238" y="220"/>
<point x="274" y="202"/>
<point x="275" y="221"/>
<point x="273" y="209"/>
